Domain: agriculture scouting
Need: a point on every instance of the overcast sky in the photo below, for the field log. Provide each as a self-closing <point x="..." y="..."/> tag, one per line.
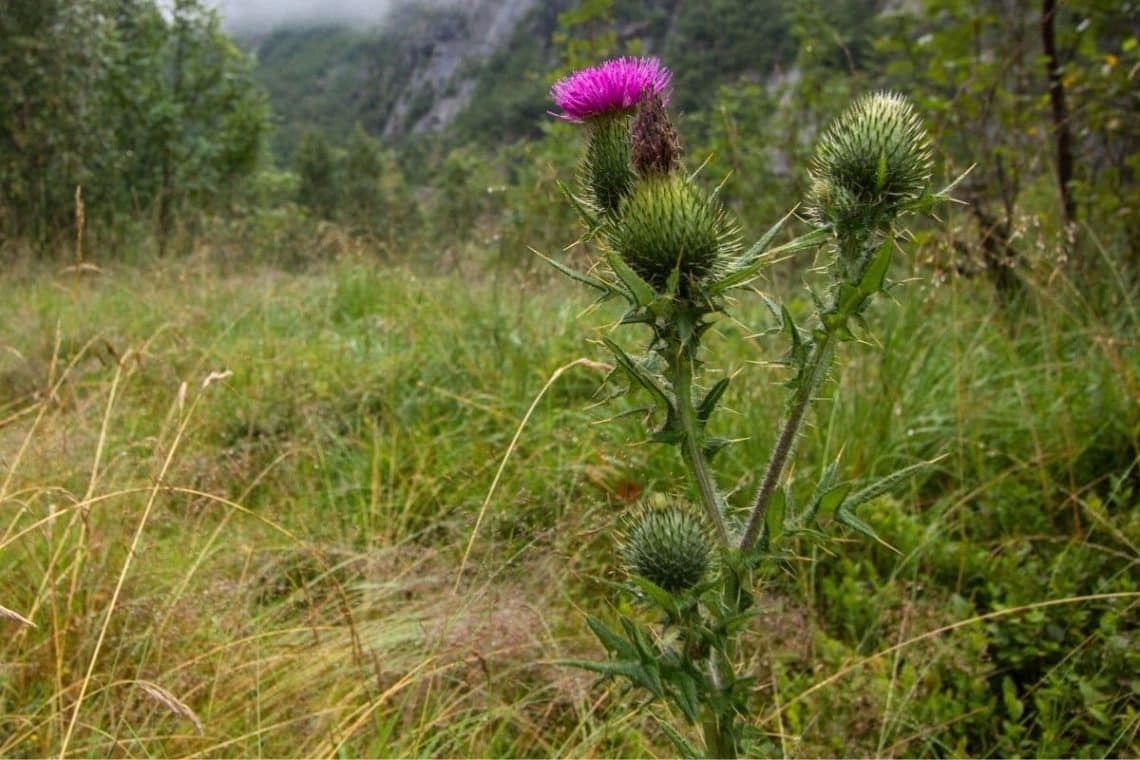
<point x="245" y="14"/>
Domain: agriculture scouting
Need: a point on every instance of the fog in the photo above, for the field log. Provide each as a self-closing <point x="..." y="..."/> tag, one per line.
<point x="262" y="14"/>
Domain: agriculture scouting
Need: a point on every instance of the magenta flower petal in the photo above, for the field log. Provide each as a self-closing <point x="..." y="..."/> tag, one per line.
<point x="610" y="87"/>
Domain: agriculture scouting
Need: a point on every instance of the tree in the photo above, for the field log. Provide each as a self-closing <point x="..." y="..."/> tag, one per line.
<point x="145" y="112"/>
<point x="319" y="190"/>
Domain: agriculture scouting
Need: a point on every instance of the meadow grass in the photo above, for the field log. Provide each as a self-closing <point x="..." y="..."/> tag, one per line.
<point x="347" y="511"/>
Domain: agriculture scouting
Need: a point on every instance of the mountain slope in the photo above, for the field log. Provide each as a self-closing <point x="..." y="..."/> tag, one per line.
<point x="481" y="69"/>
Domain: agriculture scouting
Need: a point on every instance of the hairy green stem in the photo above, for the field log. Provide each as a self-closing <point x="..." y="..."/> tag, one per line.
<point x="691" y="451"/>
<point x="720" y="736"/>
<point x="813" y="375"/>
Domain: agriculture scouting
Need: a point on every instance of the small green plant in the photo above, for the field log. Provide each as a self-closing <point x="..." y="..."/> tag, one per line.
<point x="672" y="253"/>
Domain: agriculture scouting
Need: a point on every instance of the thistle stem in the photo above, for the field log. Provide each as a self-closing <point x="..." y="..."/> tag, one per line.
<point x="691" y="451"/>
<point x="813" y="375"/>
<point x="719" y="737"/>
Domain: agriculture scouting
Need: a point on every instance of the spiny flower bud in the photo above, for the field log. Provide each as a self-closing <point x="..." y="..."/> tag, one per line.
<point x="667" y="546"/>
<point x="667" y="223"/>
<point x="870" y="163"/>
<point x="656" y="149"/>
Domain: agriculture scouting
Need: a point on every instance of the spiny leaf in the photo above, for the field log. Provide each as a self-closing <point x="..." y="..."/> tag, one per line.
<point x="630" y="669"/>
<point x="830" y="501"/>
<point x="876" y="275"/>
<point x="684" y="749"/>
<point x="712" y="446"/>
<point x="641" y="292"/>
<point x="657" y="595"/>
<point x="844" y="516"/>
<point x="826" y="482"/>
<point x="686" y="694"/>
<point x="883" y="485"/>
<point x="611" y="640"/>
<point x="585" y="279"/>
<point x="637" y="373"/>
<point x="746" y="273"/>
<point x="592" y="223"/>
<point x="766" y="239"/>
<point x="709" y="402"/>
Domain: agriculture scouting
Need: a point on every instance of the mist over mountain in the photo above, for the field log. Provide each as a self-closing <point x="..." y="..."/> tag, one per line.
<point x="252" y="16"/>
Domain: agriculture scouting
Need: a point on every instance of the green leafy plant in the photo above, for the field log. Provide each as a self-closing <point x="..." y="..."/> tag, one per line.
<point x="673" y="254"/>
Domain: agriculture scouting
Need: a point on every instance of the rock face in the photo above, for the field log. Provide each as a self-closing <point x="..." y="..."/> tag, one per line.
<point x="473" y="31"/>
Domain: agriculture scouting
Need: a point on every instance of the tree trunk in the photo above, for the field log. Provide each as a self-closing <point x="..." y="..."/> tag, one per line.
<point x="1061" y="130"/>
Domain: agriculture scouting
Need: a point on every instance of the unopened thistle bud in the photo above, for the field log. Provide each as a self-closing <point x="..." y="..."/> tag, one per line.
<point x="668" y="546"/>
<point x="656" y="149"/>
<point x="870" y="163"/>
<point x="668" y="223"/>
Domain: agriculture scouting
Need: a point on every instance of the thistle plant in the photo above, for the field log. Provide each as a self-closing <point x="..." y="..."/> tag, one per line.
<point x="673" y="254"/>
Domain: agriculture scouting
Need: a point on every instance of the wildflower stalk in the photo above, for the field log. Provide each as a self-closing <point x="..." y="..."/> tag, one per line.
<point x="673" y="252"/>
<point x="814" y="372"/>
<point x="692" y="450"/>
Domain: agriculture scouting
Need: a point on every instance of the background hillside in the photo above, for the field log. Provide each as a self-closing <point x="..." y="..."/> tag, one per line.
<point x="481" y="71"/>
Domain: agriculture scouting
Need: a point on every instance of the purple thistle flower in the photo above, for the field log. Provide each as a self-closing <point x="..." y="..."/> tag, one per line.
<point x="611" y="87"/>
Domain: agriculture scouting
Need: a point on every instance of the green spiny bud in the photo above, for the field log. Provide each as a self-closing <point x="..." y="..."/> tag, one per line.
<point x="667" y="546"/>
<point x="870" y="163"/>
<point x="606" y="171"/>
<point x="667" y="223"/>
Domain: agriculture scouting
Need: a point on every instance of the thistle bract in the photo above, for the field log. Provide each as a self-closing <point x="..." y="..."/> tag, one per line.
<point x="870" y="163"/>
<point x="667" y="223"/>
<point x="607" y="175"/>
<point x="667" y="546"/>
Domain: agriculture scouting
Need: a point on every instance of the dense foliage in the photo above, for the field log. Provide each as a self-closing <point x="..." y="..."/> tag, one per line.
<point x="139" y="112"/>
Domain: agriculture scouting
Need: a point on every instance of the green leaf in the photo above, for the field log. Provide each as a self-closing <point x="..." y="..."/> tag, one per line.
<point x="884" y="484"/>
<point x="712" y="446"/>
<point x="684" y="749"/>
<point x="709" y="402"/>
<point x="585" y="279"/>
<point x="843" y="516"/>
<point x="1013" y="705"/>
<point x="673" y="283"/>
<point x="630" y="669"/>
<point x="876" y="275"/>
<point x="634" y="633"/>
<point x="746" y="273"/>
<point x="641" y="291"/>
<point x="611" y="640"/>
<point x="658" y="596"/>
<point x="637" y="373"/>
<point x="825" y="484"/>
<point x="798" y="355"/>
<point x="829" y="502"/>
<point x="757" y="248"/>
<point x="686" y="695"/>
<point x="592" y="223"/>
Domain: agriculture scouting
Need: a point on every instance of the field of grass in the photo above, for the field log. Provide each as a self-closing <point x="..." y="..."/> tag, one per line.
<point x="360" y="511"/>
